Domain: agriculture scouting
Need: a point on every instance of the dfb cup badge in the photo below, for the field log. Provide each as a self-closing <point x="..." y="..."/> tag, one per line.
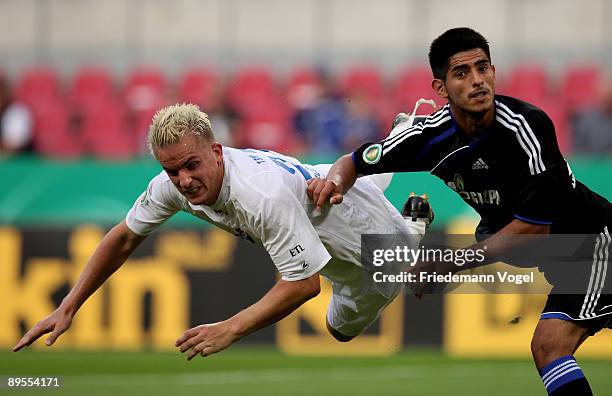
<point x="372" y="154"/>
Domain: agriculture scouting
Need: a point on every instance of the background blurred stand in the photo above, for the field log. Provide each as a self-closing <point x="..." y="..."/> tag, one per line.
<point x="593" y="125"/>
<point x="15" y="122"/>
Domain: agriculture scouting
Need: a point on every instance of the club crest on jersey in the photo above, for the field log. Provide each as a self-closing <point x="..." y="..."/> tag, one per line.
<point x="458" y="180"/>
<point x="490" y="197"/>
<point x="372" y="154"/>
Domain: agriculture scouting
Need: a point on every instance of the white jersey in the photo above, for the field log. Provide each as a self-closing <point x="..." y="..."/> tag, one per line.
<point x="263" y="199"/>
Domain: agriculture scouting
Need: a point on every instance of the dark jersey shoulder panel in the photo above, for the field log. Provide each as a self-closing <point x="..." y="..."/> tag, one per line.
<point x="513" y="171"/>
<point x="408" y="149"/>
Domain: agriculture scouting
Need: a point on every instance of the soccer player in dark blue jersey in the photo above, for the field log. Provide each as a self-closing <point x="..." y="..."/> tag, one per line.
<point x="501" y="156"/>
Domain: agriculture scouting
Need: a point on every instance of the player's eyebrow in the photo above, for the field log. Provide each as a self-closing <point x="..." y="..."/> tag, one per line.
<point x="460" y="66"/>
<point x="181" y="165"/>
<point x="466" y="65"/>
<point x="482" y="62"/>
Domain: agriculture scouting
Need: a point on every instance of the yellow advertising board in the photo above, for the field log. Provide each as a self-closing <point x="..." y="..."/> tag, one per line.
<point x="114" y="316"/>
<point x="500" y="325"/>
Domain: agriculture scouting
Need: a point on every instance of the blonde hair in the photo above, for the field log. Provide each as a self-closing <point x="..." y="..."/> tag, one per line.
<point x="171" y="123"/>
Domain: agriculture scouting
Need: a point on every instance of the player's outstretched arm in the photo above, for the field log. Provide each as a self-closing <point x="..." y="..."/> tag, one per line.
<point x="497" y="246"/>
<point x="278" y="302"/>
<point x="340" y="178"/>
<point x="114" y="249"/>
<point x="506" y="240"/>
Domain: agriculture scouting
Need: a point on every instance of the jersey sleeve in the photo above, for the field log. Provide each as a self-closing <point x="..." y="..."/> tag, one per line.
<point x="407" y="147"/>
<point x="286" y="232"/>
<point x="543" y="177"/>
<point x="154" y="206"/>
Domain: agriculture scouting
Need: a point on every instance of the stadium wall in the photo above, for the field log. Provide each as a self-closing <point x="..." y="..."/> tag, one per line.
<point x="123" y="33"/>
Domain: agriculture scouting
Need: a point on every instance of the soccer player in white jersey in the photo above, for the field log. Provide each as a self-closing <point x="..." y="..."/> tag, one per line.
<point x="260" y="196"/>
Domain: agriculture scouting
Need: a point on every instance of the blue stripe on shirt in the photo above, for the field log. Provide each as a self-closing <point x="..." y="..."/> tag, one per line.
<point x="528" y="220"/>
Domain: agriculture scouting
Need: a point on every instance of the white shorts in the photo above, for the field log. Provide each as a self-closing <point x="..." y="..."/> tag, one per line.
<point x="357" y="300"/>
<point x="355" y="305"/>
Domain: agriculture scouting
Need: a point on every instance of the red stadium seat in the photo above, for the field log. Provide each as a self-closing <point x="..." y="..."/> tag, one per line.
<point x="385" y="110"/>
<point x="53" y="132"/>
<point x="579" y="86"/>
<point x="303" y="76"/>
<point x="104" y="133"/>
<point x="557" y="112"/>
<point x="91" y="87"/>
<point x="145" y="88"/>
<point x="145" y="94"/>
<point x="197" y="85"/>
<point x="303" y="87"/>
<point x="266" y="126"/>
<point x="414" y="83"/>
<point x="38" y="85"/>
<point x="361" y="79"/>
<point x="249" y="85"/>
<point x="530" y="83"/>
<point x="138" y="125"/>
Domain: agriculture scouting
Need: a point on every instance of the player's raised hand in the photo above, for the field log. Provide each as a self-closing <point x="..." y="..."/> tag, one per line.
<point x="56" y="324"/>
<point x="206" y="339"/>
<point x="322" y="190"/>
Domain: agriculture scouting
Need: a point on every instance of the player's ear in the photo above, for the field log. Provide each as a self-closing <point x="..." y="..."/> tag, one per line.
<point x="439" y="88"/>
<point x="494" y="78"/>
<point x="217" y="150"/>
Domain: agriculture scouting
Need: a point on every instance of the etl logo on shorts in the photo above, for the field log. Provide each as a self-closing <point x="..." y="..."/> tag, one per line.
<point x="296" y="250"/>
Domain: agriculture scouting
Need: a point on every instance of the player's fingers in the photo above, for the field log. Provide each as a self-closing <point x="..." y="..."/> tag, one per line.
<point x="327" y="189"/>
<point x="316" y="192"/>
<point x="329" y="192"/>
<point x="187" y="335"/>
<point x="189" y="344"/>
<point x="57" y="331"/>
<point x="336" y="199"/>
<point x="195" y="351"/>
<point x="22" y="342"/>
<point x="312" y="185"/>
<point x="195" y="340"/>
<point x="32" y="335"/>
<point x="25" y="340"/>
<point x="311" y="189"/>
<point x="207" y="351"/>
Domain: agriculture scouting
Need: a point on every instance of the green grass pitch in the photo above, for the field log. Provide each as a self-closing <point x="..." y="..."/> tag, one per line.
<point x="243" y="370"/>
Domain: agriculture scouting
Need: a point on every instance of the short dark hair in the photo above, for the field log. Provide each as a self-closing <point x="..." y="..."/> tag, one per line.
<point x="451" y="42"/>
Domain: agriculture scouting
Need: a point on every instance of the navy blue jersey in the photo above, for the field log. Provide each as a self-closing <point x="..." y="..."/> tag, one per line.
<point x="514" y="170"/>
